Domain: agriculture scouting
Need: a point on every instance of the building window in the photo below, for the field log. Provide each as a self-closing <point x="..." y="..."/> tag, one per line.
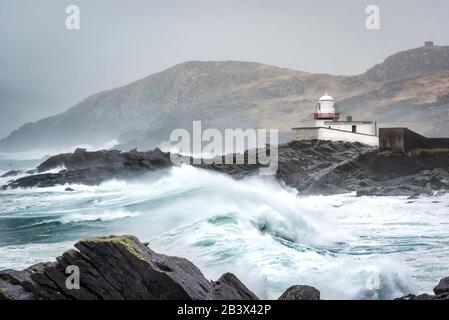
<point x="354" y="128"/>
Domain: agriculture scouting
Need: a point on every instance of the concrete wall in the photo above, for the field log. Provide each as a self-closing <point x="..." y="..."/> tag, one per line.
<point x="320" y="123"/>
<point x="313" y="133"/>
<point x="405" y="140"/>
<point x="391" y="139"/>
<point x="365" y="128"/>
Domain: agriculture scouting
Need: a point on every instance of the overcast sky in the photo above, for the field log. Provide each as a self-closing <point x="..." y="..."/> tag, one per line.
<point x="123" y="40"/>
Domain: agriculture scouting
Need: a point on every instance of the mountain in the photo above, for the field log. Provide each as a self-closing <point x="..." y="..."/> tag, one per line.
<point x="411" y="63"/>
<point x="410" y="89"/>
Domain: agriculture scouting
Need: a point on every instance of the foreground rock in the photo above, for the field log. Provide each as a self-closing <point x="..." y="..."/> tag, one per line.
<point x="441" y="292"/>
<point x="442" y="287"/>
<point x="123" y="268"/>
<point x="119" y="268"/>
<point x="300" y="293"/>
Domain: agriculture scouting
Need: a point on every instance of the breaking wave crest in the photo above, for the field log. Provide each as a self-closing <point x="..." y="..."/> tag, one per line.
<point x="256" y="228"/>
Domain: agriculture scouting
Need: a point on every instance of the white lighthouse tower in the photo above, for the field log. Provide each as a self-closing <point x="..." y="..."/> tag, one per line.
<point x="326" y="111"/>
<point x="328" y="126"/>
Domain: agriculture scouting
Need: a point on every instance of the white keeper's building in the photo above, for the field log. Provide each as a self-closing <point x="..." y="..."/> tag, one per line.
<point x="328" y="126"/>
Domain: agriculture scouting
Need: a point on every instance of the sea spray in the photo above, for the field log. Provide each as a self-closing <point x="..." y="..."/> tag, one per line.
<point x="266" y="234"/>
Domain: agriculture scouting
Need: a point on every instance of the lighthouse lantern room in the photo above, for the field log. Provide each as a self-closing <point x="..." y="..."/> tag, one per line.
<point x="326" y="110"/>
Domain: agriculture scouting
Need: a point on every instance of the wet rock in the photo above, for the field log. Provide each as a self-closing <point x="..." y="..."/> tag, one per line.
<point x="442" y="296"/>
<point x="11" y="173"/>
<point x="118" y="268"/>
<point x="300" y="163"/>
<point x="441" y="292"/>
<point x="424" y="296"/>
<point x="93" y="168"/>
<point x="229" y="287"/>
<point x="300" y="293"/>
<point x="363" y="184"/>
<point x="414" y="196"/>
<point x="380" y="174"/>
<point x="442" y="287"/>
<point x="69" y="189"/>
<point x="364" y="193"/>
<point x="311" y="167"/>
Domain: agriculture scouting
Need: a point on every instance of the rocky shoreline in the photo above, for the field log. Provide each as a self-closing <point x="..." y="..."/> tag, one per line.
<point x="441" y="292"/>
<point x="123" y="268"/>
<point x="311" y="167"/>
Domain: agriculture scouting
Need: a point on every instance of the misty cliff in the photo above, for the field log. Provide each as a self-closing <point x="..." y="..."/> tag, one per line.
<point x="410" y="89"/>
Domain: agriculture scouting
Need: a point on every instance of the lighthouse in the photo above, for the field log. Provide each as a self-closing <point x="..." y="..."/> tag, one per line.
<point x="326" y="111"/>
<point x="329" y="126"/>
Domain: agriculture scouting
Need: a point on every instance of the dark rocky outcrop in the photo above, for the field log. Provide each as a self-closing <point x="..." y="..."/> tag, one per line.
<point x="377" y="174"/>
<point x="312" y="167"/>
<point x="11" y="173"/>
<point x="422" y="297"/>
<point x="442" y="287"/>
<point x="300" y="163"/>
<point x="93" y="168"/>
<point x="119" y="268"/>
<point x="300" y="293"/>
<point x="229" y="286"/>
<point x="441" y="292"/>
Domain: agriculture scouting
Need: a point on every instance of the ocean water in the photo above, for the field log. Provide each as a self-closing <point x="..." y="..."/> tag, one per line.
<point x="271" y="238"/>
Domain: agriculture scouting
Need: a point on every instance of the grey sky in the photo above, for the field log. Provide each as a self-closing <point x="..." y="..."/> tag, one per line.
<point x="123" y="40"/>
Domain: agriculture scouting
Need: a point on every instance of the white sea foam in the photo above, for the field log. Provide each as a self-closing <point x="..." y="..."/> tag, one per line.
<point x="21" y="256"/>
<point x="348" y="247"/>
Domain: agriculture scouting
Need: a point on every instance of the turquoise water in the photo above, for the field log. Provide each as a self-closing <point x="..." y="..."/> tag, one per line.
<point x="347" y="247"/>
